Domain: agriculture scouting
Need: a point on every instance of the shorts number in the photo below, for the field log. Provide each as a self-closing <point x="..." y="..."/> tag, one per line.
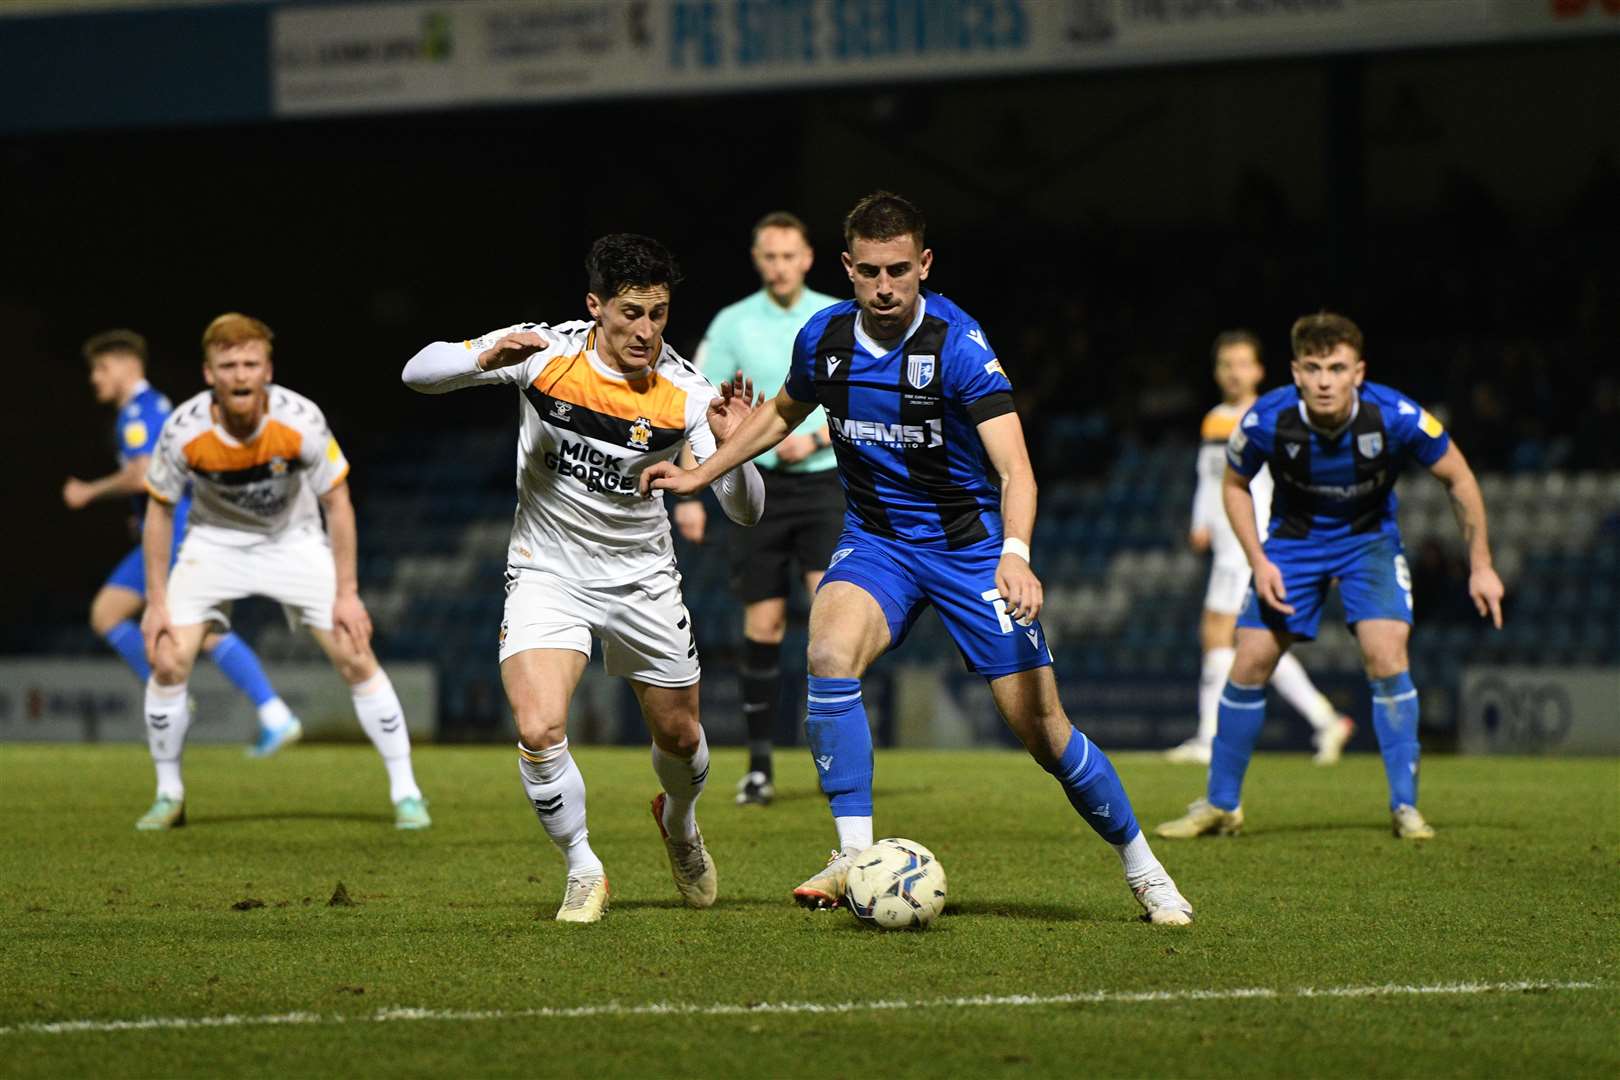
<point x="1403" y="574"/>
<point x="994" y="598"/>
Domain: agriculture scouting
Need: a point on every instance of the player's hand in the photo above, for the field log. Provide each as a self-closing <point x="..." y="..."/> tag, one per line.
<point x="1199" y="539"/>
<point x="1019" y="587"/>
<point x="349" y="616"/>
<point x="76" y="493"/>
<point x="511" y="350"/>
<point x="1486" y="590"/>
<point x="690" y="520"/>
<point x="155" y="626"/>
<point x="668" y="476"/>
<point x="728" y="411"/>
<point x="795" y="448"/>
<point x="1268" y="586"/>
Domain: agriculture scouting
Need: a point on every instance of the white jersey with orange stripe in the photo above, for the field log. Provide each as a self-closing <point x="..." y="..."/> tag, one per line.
<point x="245" y="490"/>
<point x="1209" y="511"/>
<point x="585" y="433"/>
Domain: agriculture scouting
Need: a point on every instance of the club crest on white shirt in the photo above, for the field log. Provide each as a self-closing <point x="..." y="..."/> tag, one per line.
<point x="641" y="433"/>
<point x="1370" y="444"/>
<point x="920" y="370"/>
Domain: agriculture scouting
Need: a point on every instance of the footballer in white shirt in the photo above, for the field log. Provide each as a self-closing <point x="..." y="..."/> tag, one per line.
<point x="599" y="400"/>
<point x="262" y="466"/>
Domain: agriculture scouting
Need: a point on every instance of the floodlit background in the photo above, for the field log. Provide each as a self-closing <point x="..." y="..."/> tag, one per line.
<point x="1109" y="184"/>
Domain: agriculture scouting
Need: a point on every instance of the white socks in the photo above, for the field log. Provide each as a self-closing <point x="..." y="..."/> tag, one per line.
<point x="1212" y="677"/>
<point x="274" y="714"/>
<point x="168" y="715"/>
<point x="1140" y="863"/>
<point x="682" y="779"/>
<point x="377" y="707"/>
<point x="1297" y="689"/>
<point x="557" y="790"/>
<point x="854" y="834"/>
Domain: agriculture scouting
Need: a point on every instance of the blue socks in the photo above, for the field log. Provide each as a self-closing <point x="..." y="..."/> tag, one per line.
<point x="1395" y="720"/>
<point x="841" y="743"/>
<point x="1094" y="790"/>
<point x="1242" y="714"/>
<point x="126" y="640"/>
<point x="241" y="665"/>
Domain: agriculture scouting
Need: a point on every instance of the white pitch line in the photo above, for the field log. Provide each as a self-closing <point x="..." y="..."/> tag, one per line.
<point x="779" y="1008"/>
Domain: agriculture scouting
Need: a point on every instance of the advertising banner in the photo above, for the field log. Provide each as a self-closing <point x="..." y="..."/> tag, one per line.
<point x="86" y="700"/>
<point x="1513" y="710"/>
<point x="422" y="54"/>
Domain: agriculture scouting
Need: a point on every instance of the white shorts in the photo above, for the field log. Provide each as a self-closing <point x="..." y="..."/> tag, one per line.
<point x="294" y="569"/>
<point x="644" y="627"/>
<point x="1228" y="587"/>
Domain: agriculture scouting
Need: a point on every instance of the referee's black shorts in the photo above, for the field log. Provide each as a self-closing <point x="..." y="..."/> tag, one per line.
<point x="804" y="516"/>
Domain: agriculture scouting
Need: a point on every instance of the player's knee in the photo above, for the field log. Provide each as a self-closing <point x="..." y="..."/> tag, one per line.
<point x="169" y="667"/>
<point x="1385" y="660"/>
<point x="539" y="728"/>
<point x="830" y="658"/>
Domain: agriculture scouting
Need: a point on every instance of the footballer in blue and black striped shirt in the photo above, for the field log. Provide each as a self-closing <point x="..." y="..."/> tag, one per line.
<point x="939" y="510"/>
<point x="1335" y="444"/>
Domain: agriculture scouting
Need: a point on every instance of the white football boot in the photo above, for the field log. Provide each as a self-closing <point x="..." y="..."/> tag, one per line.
<point x="1407" y="824"/>
<point x="585" y="899"/>
<point x="826" y="889"/>
<point x="1202" y="818"/>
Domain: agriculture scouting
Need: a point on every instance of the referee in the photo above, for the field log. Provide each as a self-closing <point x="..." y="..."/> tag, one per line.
<point x="803" y="498"/>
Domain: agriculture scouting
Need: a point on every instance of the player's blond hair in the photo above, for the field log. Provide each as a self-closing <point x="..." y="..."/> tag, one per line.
<point x="234" y="328"/>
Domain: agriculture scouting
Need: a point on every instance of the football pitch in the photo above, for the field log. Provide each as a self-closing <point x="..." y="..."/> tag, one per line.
<point x="1322" y="945"/>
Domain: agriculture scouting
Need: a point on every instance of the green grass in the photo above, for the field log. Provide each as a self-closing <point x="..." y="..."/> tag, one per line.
<point x="99" y="922"/>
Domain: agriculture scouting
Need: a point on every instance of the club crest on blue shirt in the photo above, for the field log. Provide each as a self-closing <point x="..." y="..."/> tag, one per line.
<point x="641" y="433"/>
<point x="919" y="370"/>
<point x="1370" y="444"/>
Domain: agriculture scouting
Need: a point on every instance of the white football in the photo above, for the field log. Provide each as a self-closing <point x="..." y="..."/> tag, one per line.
<point x="896" y="884"/>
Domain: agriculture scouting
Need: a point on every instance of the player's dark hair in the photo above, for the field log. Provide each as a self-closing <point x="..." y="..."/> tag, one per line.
<point x="780" y="219"/>
<point x="621" y="261"/>
<point x="124" y="341"/>
<point x="1320" y="334"/>
<point x="1227" y="338"/>
<point x="884" y="215"/>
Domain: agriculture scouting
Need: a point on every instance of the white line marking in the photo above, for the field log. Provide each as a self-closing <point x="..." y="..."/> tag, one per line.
<point x="778" y="1008"/>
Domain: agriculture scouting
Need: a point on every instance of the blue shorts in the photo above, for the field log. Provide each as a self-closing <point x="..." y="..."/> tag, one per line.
<point x="960" y="584"/>
<point x="130" y="573"/>
<point x="1374" y="582"/>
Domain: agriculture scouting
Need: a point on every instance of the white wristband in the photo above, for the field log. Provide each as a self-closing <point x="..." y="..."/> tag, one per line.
<point x="1014" y="546"/>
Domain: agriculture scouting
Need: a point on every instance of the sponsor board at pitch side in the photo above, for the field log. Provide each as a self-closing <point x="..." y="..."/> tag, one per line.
<point x="94" y="700"/>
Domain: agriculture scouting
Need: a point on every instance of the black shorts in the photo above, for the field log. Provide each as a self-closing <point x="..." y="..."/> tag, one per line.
<point x="804" y="515"/>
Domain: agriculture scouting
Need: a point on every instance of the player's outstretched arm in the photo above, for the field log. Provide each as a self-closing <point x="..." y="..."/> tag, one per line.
<point x="348" y="613"/>
<point x="1468" y="504"/>
<point x="1003" y="439"/>
<point x="1239" y="503"/>
<point x="453" y="365"/>
<point x="764" y="428"/>
<point x="157" y="540"/>
<point x="129" y="480"/>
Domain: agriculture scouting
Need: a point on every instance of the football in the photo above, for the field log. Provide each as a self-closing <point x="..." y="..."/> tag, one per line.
<point x="896" y="884"/>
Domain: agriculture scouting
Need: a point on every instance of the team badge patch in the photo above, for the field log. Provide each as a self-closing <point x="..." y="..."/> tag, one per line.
<point x="135" y="435"/>
<point x="1429" y="425"/>
<point x="1370" y="444"/>
<point x="278" y="466"/>
<point x="919" y="370"/>
<point x="994" y="368"/>
<point x="641" y="433"/>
